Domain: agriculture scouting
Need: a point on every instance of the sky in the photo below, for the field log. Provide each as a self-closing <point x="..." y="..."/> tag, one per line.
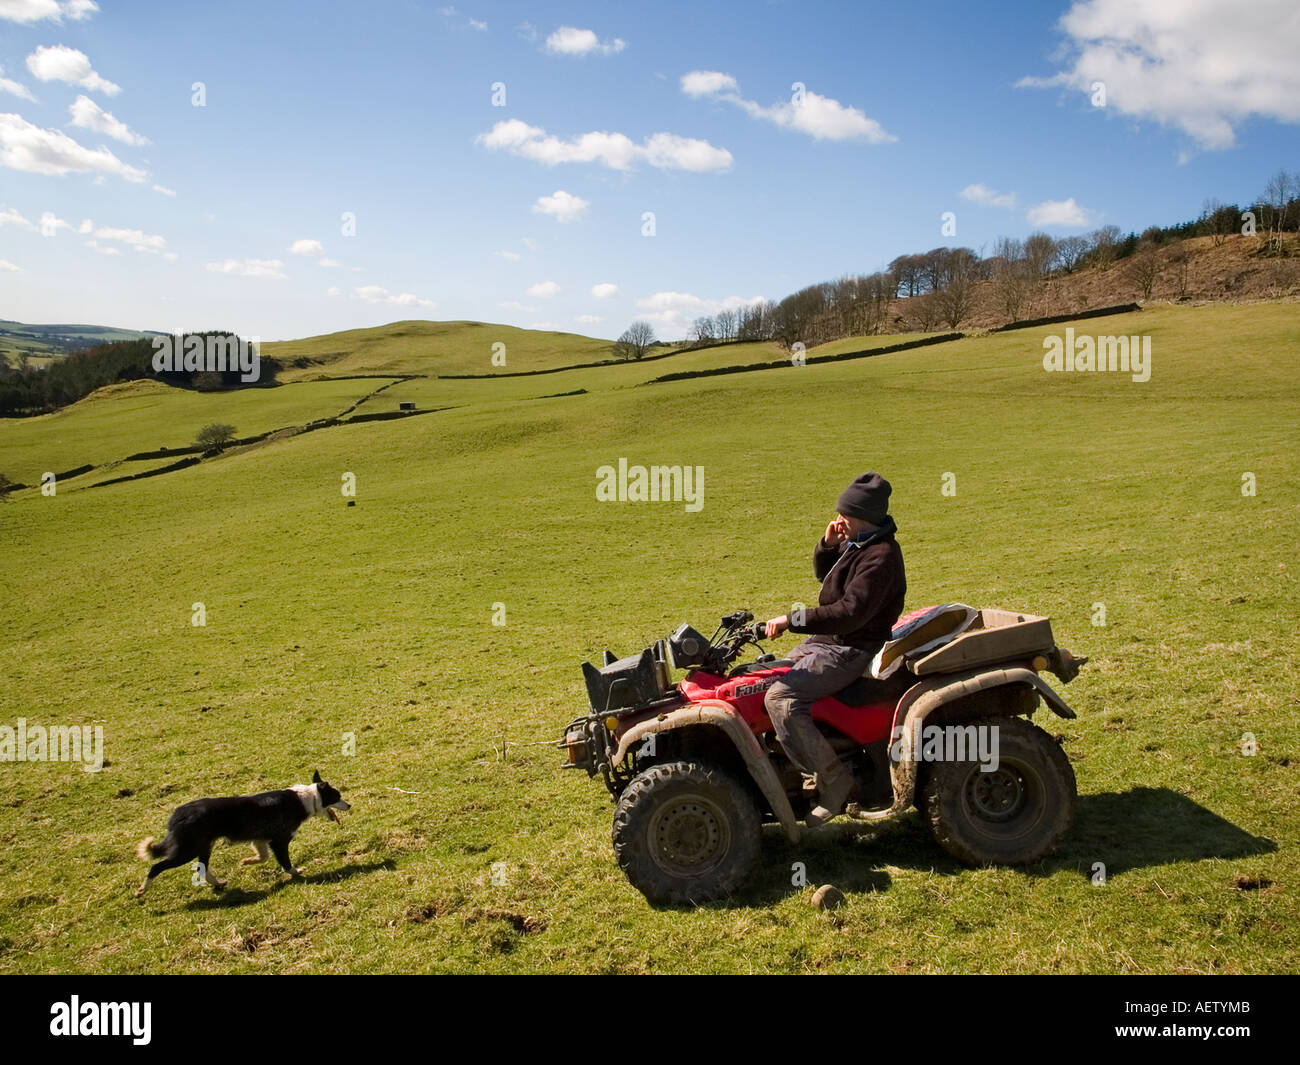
<point x="288" y="169"/>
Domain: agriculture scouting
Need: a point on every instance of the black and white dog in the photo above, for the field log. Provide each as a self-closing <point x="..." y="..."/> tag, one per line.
<point x="268" y="820"/>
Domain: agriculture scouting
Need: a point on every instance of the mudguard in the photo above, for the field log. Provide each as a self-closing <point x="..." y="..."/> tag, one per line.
<point x="714" y="713"/>
<point x="927" y="696"/>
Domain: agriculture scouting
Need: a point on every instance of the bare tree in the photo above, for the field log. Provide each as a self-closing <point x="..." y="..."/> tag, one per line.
<point x="702" y="330"/>
<point x="1218" y="221"/>
<point x="1069" y="250"/>
<point x="1040" y="250"/>
<point x="1105" y="245"/>
<point x="725" y="323"/>
<point x="1010" y="276"/>
<point x="635" y="341"/>
<point x="956" y="298"/>
<point x="922" y="311"/>
<point x="1276" y="201"/>
<point x="1180" y="260"/>
<point x="906" y="272"/>
<point x="1144" y="270"/>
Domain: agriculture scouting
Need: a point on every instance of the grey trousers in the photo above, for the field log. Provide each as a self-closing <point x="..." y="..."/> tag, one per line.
<point x="820" y="669"/>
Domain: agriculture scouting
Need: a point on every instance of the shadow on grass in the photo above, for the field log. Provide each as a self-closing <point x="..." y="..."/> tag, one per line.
<point x="1128" y="830"/>
<point x="1152" y="826"/>
<point x="236" y="896"/>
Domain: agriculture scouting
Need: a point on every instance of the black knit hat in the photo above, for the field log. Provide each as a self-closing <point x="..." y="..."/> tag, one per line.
<point x="866" y="498"/>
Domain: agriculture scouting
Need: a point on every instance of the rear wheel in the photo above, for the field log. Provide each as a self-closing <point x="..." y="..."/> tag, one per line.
<point x="1013" y="815"/>
<point x="686" y="832"/>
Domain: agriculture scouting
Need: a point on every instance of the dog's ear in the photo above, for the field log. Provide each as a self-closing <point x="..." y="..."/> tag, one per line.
<point x="315" y="777"/>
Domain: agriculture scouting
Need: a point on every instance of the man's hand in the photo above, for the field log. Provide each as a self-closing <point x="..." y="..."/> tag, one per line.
<point x="777" y="626"/>
<point x="836" y="533"/>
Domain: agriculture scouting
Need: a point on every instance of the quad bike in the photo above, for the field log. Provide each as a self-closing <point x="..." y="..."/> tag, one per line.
<point x="695" y="768"/>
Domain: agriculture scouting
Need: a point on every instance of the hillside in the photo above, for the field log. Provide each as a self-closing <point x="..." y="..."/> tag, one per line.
<point x="1192" y="270"/>
<point x="431" y="348"/>
<point x="467" y="848"/>
<point x="43" y="342"/>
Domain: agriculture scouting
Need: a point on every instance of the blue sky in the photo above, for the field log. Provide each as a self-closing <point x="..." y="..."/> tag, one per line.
<point x="161" y="214"/>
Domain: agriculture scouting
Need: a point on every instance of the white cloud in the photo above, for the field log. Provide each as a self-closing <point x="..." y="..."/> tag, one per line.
<point x="614" y="150"/>
<point x="9" y="216"/>
<point x="674" y="311"/>
<point x="527" y="31"/>
<point x="529" y="243"/>
<point x="606" y="290"/>
<point x="568" y="40"/>
<point x="132" y="238"/>
<point x="1064" y="213"/>
<point x="9" y="267"/>
<point x="49" y="151"/>
<point x="52" y="223"/>
<point x="515" y="305"/>
<point x="89" y="115"/>
<point x="270" y="268"/>
<point x="708" y="83"/>
<point x="589" y="319"/>
<point x="14" y="88"/>
<point x="103" y="249"/>
<point x="333" y="290"/>
<point x="39" y="10"/>
<point x="1200" y="67"/>
<point x="49" y="226"/>
<point x="376" y="294"/>
<point x="475" y="24"/>
<point x="818" y="116"/>
<point x="164" y="190"/>
<point x="313" y="249"/>
<point x="986" y="197"/>
<point x="562" y="206"/>
<point x="544" y="290"/>
<point x="60" y="63"/>
<point x="513" y="256"/>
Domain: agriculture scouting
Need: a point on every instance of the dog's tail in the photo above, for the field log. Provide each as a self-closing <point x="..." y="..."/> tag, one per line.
<point x="147" y="849"/>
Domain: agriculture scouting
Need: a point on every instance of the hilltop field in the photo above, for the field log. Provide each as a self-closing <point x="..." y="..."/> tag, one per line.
<point x="1166" y="510"/>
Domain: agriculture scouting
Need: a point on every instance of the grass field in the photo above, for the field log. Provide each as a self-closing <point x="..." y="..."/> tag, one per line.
<point x="1071" y="490"/>
<point x="433" y="348"/>
<point x="43" y="344"/>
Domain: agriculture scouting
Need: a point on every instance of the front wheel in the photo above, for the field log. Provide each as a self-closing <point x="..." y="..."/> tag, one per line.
<point x="686" y="832"/>
<point x="1015" y="814"/>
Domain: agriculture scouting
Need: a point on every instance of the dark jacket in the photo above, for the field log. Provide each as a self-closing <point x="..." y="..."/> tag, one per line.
<point x="862" y="591"/>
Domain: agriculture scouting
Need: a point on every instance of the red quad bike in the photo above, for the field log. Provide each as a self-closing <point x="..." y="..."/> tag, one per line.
<point x="695" y="767"/>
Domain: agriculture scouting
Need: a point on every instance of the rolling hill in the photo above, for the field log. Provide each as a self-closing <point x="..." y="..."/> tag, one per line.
<point x="467" y="848"/>
<point x="43" y="342"/>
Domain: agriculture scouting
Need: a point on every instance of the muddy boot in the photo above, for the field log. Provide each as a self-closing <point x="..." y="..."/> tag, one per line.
<point x="834" y="779"/>
<point x="834" y="785"/>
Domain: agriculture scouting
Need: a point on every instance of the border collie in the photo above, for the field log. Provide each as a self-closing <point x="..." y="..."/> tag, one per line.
<point x="267" y="821"/>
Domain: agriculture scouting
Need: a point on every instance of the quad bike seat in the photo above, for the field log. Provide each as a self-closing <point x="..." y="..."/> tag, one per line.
<point x="868" y="690"/>
<point x="919" y="633"/>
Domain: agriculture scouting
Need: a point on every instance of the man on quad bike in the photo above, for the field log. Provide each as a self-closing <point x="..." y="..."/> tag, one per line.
<point x="860" y="566"/>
